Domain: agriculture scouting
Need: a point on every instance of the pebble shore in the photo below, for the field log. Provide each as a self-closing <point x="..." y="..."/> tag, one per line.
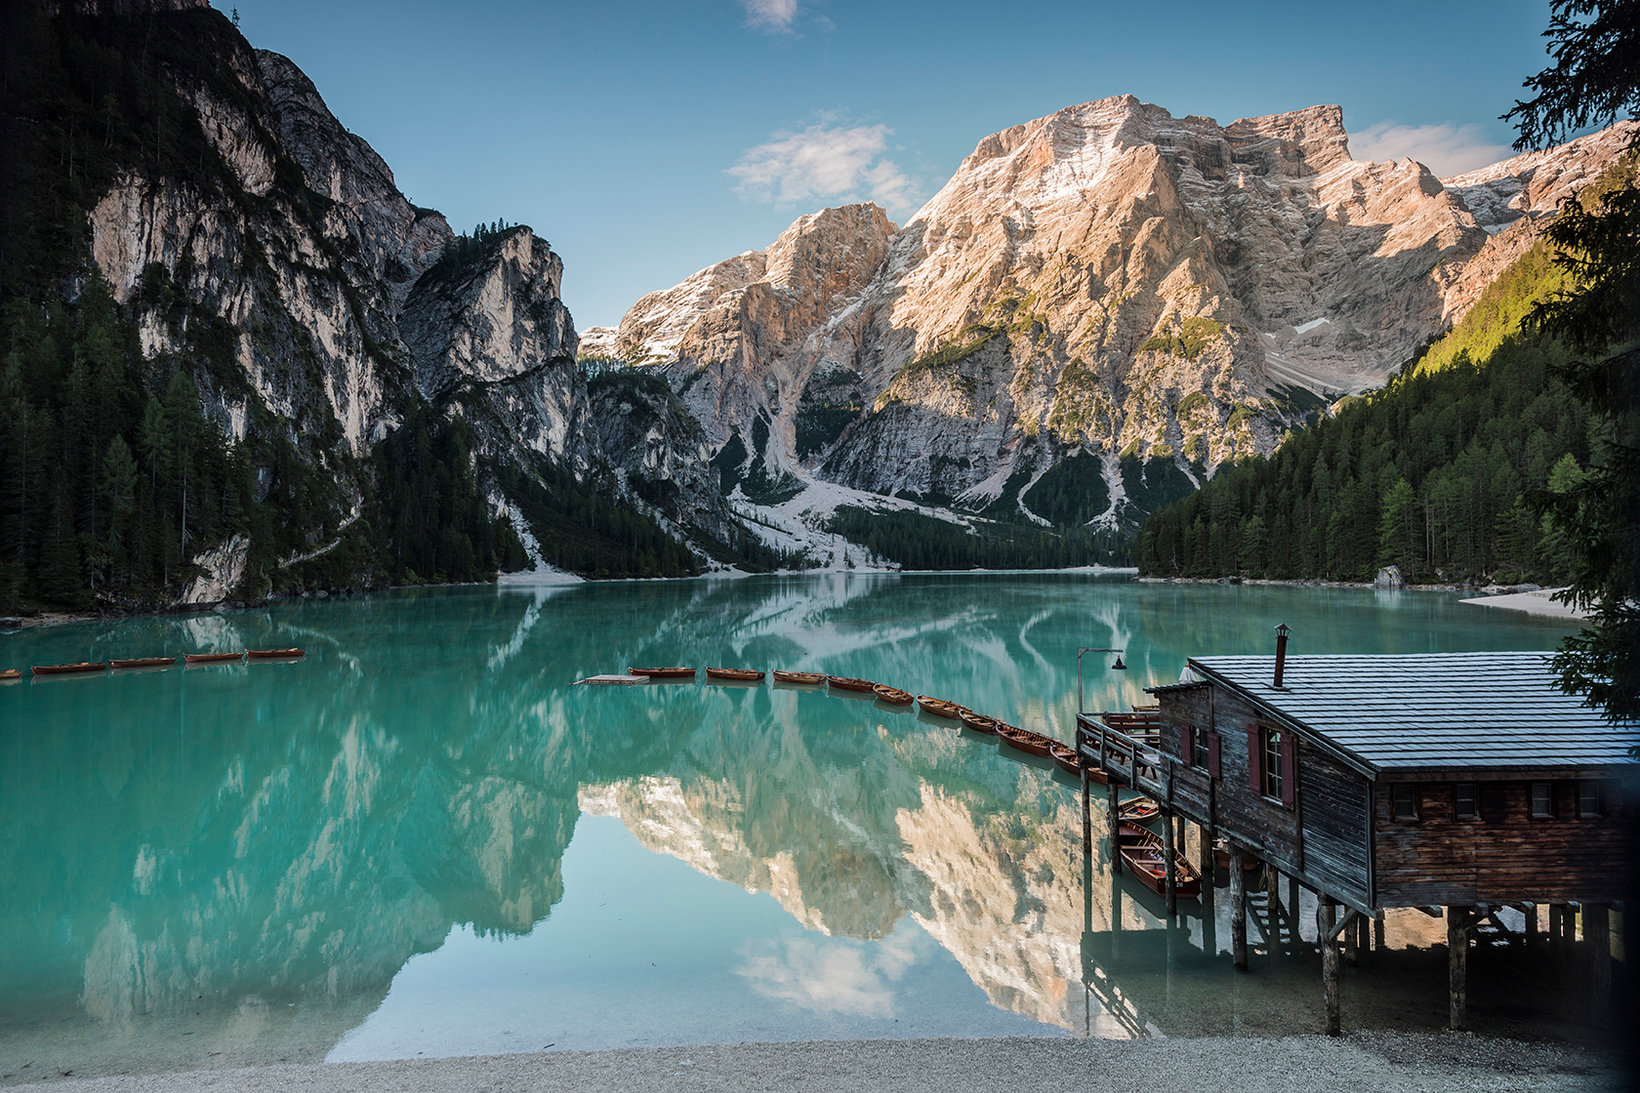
<point x="1448" y="1062"/>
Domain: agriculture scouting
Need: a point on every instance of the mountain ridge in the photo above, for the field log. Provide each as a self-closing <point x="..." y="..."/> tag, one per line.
<point x="1107" y="279"/>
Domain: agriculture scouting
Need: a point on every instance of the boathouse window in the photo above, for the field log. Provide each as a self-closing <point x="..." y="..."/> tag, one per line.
<point x="1543" y="801"/>
<point x="1270" y="758"/>
<point x="1588" y="800"/>
<point x="1198" y="746"/>
<point x="1403" y="801"/>
<point x="1466" y="803"/>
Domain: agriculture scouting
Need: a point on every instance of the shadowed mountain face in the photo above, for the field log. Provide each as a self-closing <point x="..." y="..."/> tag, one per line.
<point x="1109" y="278"/>
<point x="212" y="839"/>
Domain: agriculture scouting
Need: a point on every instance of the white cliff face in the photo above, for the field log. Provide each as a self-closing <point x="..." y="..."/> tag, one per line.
<point x="1109" y="278"/>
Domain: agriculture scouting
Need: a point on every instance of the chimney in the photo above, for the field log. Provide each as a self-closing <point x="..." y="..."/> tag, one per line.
<point x="1281" y="652"/>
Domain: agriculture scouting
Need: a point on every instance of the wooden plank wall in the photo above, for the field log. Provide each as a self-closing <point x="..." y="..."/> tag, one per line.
<point x="1322" y="838"/>
<point x="1439" y="859"/>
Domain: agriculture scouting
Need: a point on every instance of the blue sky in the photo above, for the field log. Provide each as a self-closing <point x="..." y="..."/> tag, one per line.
<point x="649" y="140"/>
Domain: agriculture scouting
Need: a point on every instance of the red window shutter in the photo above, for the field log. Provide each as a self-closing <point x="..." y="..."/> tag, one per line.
<point x="1289" y="769"/>
<point x="1255" y="758"/>
<point x="1213" y="754"/>
<point x="1188" y="745"/>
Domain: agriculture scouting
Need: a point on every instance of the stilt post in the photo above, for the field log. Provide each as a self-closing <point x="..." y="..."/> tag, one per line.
<point x="1597" y="931"/>
<point x="1087" y="816"/>
<point x="1171" y="882"/>
<point x="1457" y="966"/>
<point x="1238" y="910"/>
<point x="1115" y="829"/>
<point x="1329" y="966"/>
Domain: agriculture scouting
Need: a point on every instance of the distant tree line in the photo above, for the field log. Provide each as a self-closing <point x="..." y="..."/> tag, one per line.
<point x="1434" y="473"/>
<point x="916" y="541"/>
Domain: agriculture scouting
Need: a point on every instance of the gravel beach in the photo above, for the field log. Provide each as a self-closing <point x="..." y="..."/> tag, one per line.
<point x="1452" y="1062"/>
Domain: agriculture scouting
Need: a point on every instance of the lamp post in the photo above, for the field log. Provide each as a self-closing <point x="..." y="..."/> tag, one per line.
<point x="1117" y="666"/>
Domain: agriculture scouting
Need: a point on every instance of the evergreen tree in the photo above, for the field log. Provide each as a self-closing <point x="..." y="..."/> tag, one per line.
<point x="1595" y="80"/>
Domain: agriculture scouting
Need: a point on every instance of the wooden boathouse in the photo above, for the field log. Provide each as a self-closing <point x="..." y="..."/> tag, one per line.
<point x="1457" y="781"/>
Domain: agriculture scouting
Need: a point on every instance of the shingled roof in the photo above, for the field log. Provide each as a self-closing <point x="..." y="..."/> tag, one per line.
<point x="1432" y="710"/>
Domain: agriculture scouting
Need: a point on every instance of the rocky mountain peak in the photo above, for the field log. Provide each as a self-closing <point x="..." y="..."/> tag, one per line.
<point x="1110" y="279"/>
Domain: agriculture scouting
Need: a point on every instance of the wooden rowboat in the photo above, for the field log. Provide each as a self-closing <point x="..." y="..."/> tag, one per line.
<point x="663" y="673"/>
<point x="11" y="673"/>
<point x="1024" y="740"/>
<point x="979" y="722"/>
<point x="1140" y="810"/>
<point x="844" y="683"/>
<point x="1065" y="756"/>
<point x="143" y="662"/>
<point x="892" y="695"/>
<point x="67" y="669"/>
<point x="212" y="658"/>
<point x="939" y="707"/>
<point x="738" y="675"/>
<point x="806" y="678"/>
<point x="275" y="654"/>
<point x="1148" y="863"/>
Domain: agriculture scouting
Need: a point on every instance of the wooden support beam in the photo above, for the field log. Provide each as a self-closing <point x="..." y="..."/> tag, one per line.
<point x="1329" y="965"/>
<point x="1115" y="806"/>
<point x="1170" y="883"/>
<point x="1238" y="910"/>
<point x="1529" y="911"/>
<point x="1458" y="920"/>
<point x="1597" y="929"/>
<point x="1378" y="931"/>
<point x="1087" y="815"/>
<point x="1352" y="936"/>
<point x="1204" y="864"/>
<point x="1272" y="904"/>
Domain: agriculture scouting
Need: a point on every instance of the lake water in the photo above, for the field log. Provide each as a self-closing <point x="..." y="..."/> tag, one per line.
<point x="422" y="840"/>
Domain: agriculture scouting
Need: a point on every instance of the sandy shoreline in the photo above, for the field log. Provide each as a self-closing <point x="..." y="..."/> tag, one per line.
<point x="1362" y="1061"/>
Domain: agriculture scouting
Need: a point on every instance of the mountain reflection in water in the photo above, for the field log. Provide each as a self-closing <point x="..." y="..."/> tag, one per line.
<point x="258" y="850"/>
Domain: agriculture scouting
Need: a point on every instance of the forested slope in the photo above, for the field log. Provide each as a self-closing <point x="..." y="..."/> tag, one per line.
<point x="1431" y="473"/>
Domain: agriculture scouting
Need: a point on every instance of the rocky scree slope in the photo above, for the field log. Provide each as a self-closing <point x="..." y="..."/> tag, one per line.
<point x="1160" y="294"/>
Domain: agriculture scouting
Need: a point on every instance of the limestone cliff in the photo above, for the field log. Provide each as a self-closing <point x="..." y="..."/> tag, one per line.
<point x="317" y="308"/>
<point x="1109" y="279"/>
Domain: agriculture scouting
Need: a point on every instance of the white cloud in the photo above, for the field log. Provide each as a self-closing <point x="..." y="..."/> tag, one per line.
<point x="1446" y="149"/>
<point x="829" y="976"/>
<point x="776" y="16"/>
<point x="825" y="162"/>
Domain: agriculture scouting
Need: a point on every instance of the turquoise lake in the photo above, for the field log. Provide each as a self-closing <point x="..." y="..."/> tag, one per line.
<point x="422" y="840"/>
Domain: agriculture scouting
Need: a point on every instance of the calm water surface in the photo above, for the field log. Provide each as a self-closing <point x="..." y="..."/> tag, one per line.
<point x="422" y="840"/>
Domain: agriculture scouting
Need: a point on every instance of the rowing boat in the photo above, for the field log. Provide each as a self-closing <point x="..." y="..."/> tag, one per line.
<point x="806" y="678"/>
<point x="212" y="658"/>
<point x="275" y="654"/>
<point x="1024" y="740"/>
<point x="142" y="662"/>
<point x="1065" y="756"/>
<point x="67" y="669"/>
<point x="10" y="674"/>
<point x="979" y="722"/>
<point x="844" y="683"/>
<point x="1141" y="810"/>
<point x="663" y="673"/>
<point x="737" y="675"/>
<point x="892" y="695"/>
<point x="1148" y="862"/>
<point x="939" y="707"/>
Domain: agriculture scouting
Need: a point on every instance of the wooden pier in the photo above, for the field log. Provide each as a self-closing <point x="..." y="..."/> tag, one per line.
<point x="1457" y="784"/>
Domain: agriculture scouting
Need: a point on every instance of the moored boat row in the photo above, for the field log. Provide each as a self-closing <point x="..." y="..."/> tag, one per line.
<point x="1024" y="740"/>
<point x="86" y="667"/>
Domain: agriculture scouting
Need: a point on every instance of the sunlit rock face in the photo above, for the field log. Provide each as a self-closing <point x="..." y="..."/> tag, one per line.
<point x="1108" y="278"/>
